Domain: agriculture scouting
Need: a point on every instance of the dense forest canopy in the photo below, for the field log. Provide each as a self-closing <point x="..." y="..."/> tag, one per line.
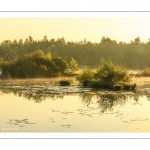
<point x="133" y="55"/>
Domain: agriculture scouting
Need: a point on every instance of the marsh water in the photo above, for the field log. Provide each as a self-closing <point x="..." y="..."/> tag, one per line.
<point x="52" y="108"/>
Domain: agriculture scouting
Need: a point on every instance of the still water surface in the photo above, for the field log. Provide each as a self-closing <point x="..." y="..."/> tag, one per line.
<point x="72" y="109"/>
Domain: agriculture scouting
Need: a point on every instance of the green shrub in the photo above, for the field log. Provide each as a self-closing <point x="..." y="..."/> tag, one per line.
<point x="94" y="84"/>
<point x="86" y="82"/>
<point x="34" y="64"/>
<point x="73" y="65"/>
<point x="100" y="85"/>
<point x="109" y="73"/>
<point x="86" y="75"/>
<point x="107" y="76"/>
<point x="64" y="83"/>
<point x="60" y="64"/>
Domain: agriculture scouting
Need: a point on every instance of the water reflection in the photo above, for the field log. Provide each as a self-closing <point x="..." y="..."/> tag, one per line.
<point x="108" y="100"/>
<point x="148" y="97"/>
<point x="36" y="97"/>
<point x="104" y="100"/>
<point x="86" y="98"/>
<point x="73" y="109"/>
<point x="100" y="103"/>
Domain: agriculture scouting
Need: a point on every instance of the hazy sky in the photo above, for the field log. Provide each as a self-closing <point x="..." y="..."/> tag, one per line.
<point x="75" y="29"/>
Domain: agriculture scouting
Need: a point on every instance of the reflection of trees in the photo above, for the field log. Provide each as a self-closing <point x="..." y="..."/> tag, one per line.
<point x="136" y="97"/>
<point x="148" y="97"/>
<point x="107" y="101"/>
<point x="8" y="91"/>
<point x="86" y="98"/>
<point x="38" y="97"/>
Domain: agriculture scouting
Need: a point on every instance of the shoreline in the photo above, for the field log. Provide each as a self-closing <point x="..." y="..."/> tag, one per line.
<point x="32" y="81"/>
<point x="140" y="81"/>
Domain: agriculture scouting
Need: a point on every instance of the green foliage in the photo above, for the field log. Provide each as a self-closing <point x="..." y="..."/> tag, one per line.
<point x="5" y="65"/>
<point x="64" y="83"/>
<point x="26" y="70"/>
<point x="100" y="85"/>
<point x="34" y="64"/>
<point x="105" y="76"/>
<point x="86" y="75"/>
<point x="73" y="65"/>
<point x="60" y="64"/>
<point x="109" y="73"/>
<point x="86" y="82"/>
<point x="94" y="84"/>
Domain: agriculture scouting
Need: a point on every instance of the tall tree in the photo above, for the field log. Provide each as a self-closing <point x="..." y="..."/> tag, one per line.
<point x="73" y="65"/>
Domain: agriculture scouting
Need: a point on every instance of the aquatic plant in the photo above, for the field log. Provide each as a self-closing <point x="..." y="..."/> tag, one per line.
<point x="64" y="83"/>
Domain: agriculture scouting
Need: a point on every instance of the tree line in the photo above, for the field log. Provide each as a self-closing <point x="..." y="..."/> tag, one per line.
<point x="133" y="55"/>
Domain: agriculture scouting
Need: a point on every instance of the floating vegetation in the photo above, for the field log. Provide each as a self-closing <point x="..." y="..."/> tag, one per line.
<point x="139" y="119"/>
<point x="64" y="83"/>
<point x="17" y="122"/>
<point x="66" y="125"/>
<point x="126" y="121"/>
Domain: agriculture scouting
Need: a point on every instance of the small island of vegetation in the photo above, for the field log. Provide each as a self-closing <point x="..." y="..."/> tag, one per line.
<point x="107" y="76"/>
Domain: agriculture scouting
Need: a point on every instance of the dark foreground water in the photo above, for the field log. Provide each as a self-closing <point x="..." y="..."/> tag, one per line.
<point x="73" y="109"/>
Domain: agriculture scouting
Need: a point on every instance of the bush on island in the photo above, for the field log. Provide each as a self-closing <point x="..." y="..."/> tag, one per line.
<point x="105" y="77"/>
<point x="64" y="83"/>
<point x="100" y="85"/>
<point x="86" y="75"/>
